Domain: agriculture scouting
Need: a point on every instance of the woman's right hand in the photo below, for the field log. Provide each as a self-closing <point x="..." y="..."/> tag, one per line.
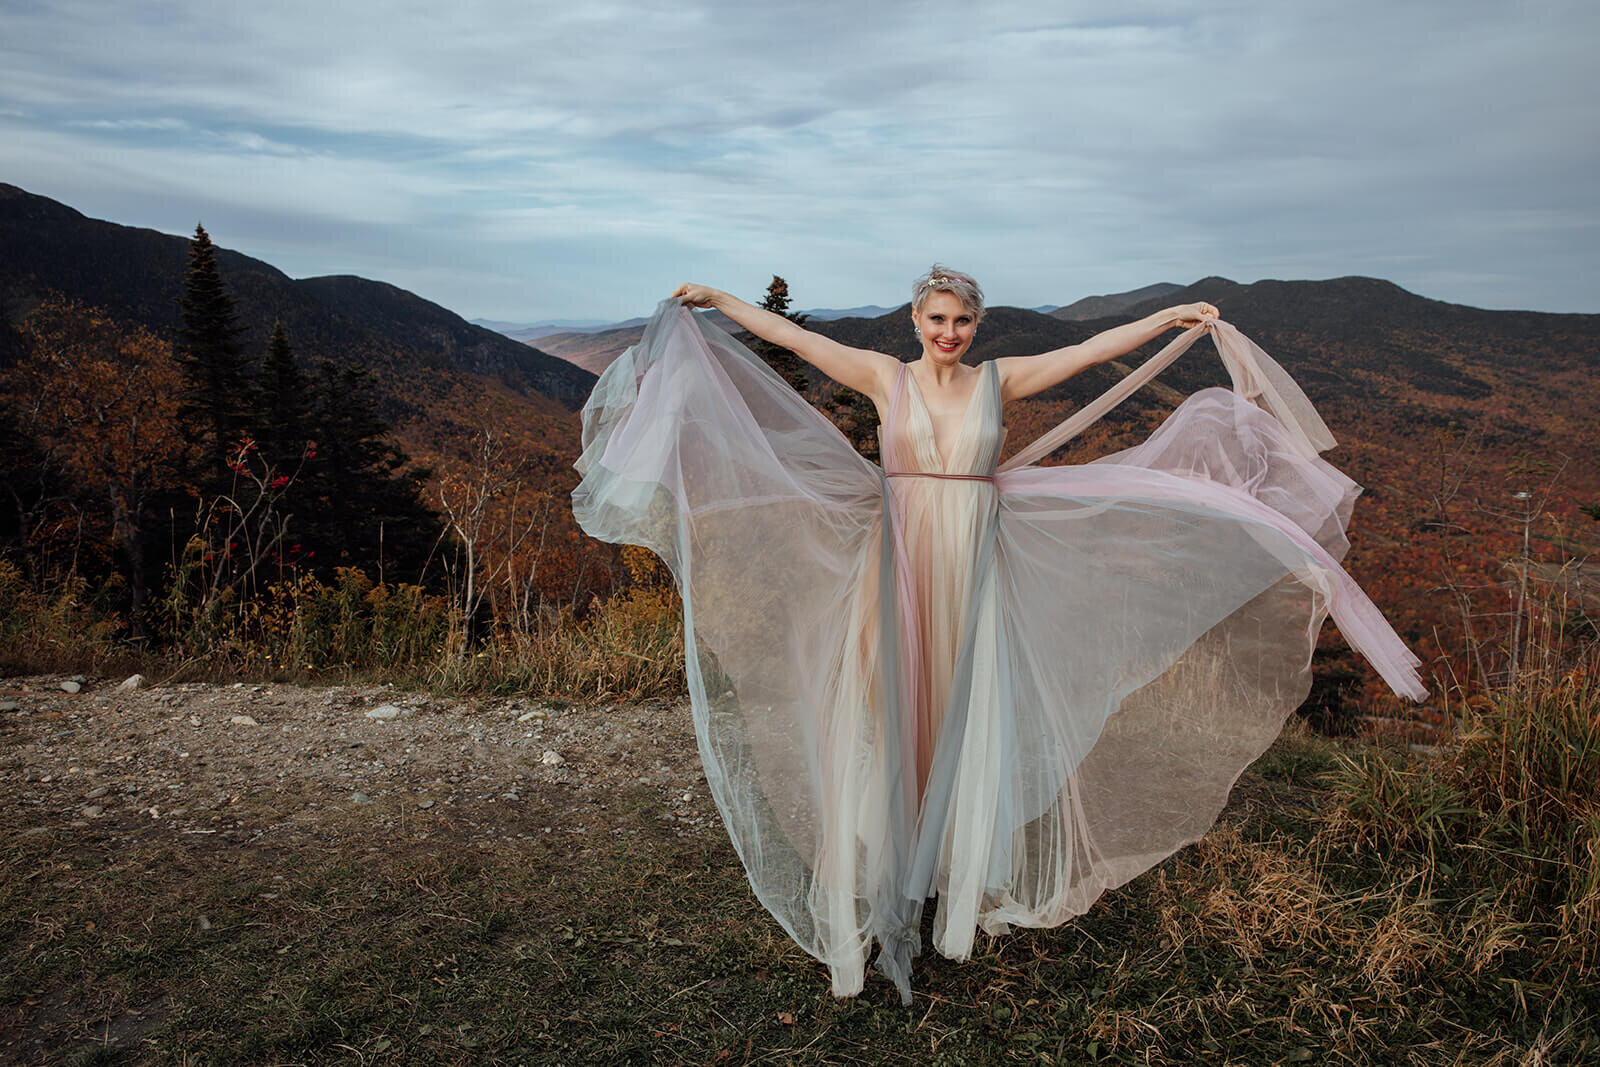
<point x="1190" y="315"/>
<point x="695" y="296"/>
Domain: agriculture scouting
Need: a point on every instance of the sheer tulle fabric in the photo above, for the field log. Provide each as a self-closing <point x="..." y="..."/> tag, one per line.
<point x="1009" y="687"/>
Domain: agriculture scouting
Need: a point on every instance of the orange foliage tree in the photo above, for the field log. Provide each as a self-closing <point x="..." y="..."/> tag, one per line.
<point x="102" y="399"/>
<point x="507" y="521"/>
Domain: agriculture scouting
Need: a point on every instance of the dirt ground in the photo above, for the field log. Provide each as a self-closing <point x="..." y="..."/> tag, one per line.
<point x="284" y="765"/>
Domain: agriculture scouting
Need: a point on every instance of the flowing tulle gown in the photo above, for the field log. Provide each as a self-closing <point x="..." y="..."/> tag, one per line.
<point x="1006" y="687"/>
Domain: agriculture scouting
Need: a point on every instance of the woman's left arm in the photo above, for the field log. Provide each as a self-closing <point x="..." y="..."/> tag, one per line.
<point x="1022" y="376"/>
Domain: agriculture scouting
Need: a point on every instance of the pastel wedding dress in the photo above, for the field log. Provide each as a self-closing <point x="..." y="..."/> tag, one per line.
<point x="1004" y="686"/>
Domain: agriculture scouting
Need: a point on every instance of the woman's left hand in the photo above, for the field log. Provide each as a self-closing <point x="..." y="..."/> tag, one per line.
<point x="695" y="296"/>
<point x="1189" y="315"/>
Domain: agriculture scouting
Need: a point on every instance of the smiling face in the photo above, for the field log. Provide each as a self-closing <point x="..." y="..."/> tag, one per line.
<point x="947" y="327"/>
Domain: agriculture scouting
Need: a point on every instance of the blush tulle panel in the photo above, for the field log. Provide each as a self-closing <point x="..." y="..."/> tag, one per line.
<point x="1005" y="686"/>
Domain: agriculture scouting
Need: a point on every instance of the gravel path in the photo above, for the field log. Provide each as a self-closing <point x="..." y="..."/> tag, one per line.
<point x="291" y="766"/>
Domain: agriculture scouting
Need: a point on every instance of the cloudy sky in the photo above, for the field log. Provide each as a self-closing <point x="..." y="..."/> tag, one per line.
<point x="522" y="160"/>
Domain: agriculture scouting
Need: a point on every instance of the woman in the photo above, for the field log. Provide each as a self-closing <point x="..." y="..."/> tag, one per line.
<point x="1004" y="686"/>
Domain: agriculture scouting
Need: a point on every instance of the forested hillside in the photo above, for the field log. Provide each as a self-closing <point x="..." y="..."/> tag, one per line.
<point x="367" y="436"/>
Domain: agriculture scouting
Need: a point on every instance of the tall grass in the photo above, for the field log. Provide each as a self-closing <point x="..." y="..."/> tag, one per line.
<point x="1499" y="835"/>
<point x="54" y="629"/>
<point x="628" y="646"/>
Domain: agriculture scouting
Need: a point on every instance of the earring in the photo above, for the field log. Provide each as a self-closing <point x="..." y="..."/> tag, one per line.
<point x="917" y="330"/>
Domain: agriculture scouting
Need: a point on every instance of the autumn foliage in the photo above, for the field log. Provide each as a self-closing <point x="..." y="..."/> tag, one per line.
<point x="268" y="519"/>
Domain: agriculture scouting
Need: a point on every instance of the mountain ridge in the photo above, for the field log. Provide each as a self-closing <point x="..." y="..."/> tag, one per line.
<point x="137" y="273"/>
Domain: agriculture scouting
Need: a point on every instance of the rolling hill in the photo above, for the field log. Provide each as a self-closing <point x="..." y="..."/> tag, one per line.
<point x="135" y="275"/>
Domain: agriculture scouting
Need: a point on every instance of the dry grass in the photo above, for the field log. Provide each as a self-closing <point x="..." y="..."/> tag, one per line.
<point x="58" y="627"/>
<point x="628" y="647"/>
<point x="1501" y="835"/>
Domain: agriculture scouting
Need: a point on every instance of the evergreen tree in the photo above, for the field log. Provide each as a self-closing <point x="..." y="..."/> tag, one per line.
<point x="217" y="375"/>
<point x="788" y="365"/>
<point x="362" y="503"/>
<point x="283" y="407"/>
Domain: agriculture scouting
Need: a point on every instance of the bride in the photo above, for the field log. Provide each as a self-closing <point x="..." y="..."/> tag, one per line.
<point x="1001" y="686"/>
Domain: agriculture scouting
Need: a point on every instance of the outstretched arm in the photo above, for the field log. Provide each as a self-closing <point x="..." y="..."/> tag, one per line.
<point x="1022" y="376"/>
<point x="864" y="371"/>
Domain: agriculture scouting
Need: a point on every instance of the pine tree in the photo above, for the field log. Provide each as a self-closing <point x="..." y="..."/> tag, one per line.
<point x="217" y="375"/>
<point x="853" y="412"/>
<point x="788" y="365"/>
<point x="283" y="406"/>
<point x="362" y="504"/>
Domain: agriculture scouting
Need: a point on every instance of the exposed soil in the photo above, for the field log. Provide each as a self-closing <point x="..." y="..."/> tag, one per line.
<point x="286" y="766"/>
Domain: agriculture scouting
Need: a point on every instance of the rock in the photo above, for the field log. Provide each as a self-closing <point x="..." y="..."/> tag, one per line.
<point x="386" y="712"/>
<point x="9" y="705"/>
<point x="360" y="798"/>
<point x="71" y="686"/>
<point x="132" y="682"/>
<point x="80" y="679"/>
<point x="92" y="811"/>
<point x="97" y="792"/>
<point x="425" y="805"/>
<point x="551" y="758"/>
<point x="242" y="720"/>
<point x="536" y="715"/>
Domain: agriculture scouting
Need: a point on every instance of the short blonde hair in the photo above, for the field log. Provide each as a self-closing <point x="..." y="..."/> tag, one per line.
<point x="941" y="279"/>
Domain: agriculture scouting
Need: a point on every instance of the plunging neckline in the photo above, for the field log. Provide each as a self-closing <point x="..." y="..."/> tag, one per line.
<point x="939" y="454"/>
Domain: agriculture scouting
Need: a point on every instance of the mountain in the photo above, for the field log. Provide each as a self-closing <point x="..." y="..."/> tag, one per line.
<point x="593" y="350"/>
<point x="553" y="325"/>
<point x="1466" y="426"/>
<point x="527" y="333"/>
<point x="1099" y="307"/>
<point x="533" y="331"/>
<point x="1350" y="341"/>
<point x="465" y="403"/>
<point x="136" y="275"/>
<point x="865" y="311"/>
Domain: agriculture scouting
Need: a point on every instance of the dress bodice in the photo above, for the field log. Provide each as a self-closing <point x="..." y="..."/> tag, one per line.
<point x="912" y="446"/>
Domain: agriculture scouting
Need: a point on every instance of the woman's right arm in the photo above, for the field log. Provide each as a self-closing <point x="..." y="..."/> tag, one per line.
<point x="864" y="371"/>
